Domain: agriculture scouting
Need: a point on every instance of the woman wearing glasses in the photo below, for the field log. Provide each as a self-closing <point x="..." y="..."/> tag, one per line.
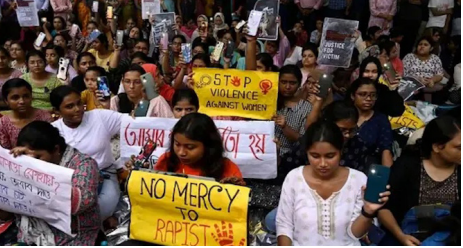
<point x="374" y="137"/>
<point x="134" y="93"/>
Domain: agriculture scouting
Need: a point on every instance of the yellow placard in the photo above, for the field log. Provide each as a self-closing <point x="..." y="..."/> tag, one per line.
<point x="171" y="210"/>
<point x="408" y="119"/>
<point x="247" y="94"/>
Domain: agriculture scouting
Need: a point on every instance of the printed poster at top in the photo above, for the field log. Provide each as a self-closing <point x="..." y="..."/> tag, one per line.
<point x="32" y="187"/>
<point x="170" y="210"/>
<point x="247" y="94"/>
<point x="268" y="27"/>
<point x="164" y="22"/>
<point x="337" y="43"/>
<point x="150" y="7"/>
<point x="27" y="13"/>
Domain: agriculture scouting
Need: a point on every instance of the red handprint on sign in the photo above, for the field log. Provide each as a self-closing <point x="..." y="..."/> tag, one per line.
<point x="224" y="237"/>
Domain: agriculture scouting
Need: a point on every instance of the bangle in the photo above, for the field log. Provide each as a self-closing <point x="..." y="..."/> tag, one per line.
<point x="367" y="215"/>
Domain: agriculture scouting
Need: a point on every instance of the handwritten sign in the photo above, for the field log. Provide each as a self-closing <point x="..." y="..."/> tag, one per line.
<point x="36" y="188"/>
<point x="248" y="94"/>
<point x="150" y="7"/>
<point x="249" y="144"/>
<point x="172" y="210"/>
<point x="408" y="119"/>
<point x="337" y="43"/>
<point x="27" y="13"/>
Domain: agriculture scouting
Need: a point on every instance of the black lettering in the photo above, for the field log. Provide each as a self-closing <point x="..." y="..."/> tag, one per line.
<point x="247" y="80"/>
<point x="195" y="215"/>
<point x="144" y="185"/>
<point x="180" y="193"/>
<point x="231" y="198"/>
<point x="156" y="189"/>
<point x="192" y="195"/>
<point x="181" y="211"/>
<point x="217" y="78"/>
<point x="220" y="189"/>
<point x="201" y="197"/>
<point x="226" y="79"/>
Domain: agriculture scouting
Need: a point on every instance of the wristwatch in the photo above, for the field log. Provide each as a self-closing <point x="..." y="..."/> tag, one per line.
<point x="367" y="215"/>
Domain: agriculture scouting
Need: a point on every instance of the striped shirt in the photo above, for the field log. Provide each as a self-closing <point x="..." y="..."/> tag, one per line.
<point x="295" y="118"/>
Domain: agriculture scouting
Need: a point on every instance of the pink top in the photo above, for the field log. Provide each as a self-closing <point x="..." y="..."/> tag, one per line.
<point x="158" y="107"/>
<point x="309" y="4"/>
<point x="283" y="51"/>
<point x="9" y="132"/>
<point x="14" y="74"/>
<point x="61" y="7"/>
<point x="377" y="7"/>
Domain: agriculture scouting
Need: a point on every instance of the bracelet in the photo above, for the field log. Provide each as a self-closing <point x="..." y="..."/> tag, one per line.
<point x="367" y="215"/>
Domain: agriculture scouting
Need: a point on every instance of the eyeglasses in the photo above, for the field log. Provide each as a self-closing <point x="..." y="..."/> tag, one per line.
<point x="365" y="95"/>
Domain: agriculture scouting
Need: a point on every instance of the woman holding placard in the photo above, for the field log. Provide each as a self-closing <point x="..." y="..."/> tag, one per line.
<point x="196" y="148"/>
<point x="41" y="140"/>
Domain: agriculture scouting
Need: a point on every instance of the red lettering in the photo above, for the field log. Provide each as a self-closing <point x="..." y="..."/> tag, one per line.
<point x="159" y="137"/>
<point x="186" y="236"/>
<point x="205" y="232"/>
<point x="178" y="229"/>
<point x="170" y="229"/>
<point x="257" y="145"/>
<point x="192" y="233"/>
<point x="230" y="137"/>
<point x="158" y="229"/>
<point x="132" y="134"/>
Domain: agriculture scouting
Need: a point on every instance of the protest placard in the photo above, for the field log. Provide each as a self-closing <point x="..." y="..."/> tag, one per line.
<point x="407" y="119"/>
<point x="169" y="210"/>
<point x="337" y="43"/>
<point x="247" y="143"/>
<point x="409" y="85"/>
<point x="268" y="25"/>
<point x="27" y="13"/>
<point x="150" y="7"/>
<point x="36" y="188"/>
<point x="166" y="21"/>
<point x="248" y="94"/>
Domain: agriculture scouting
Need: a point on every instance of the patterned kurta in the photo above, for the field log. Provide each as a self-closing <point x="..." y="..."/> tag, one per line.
<point x="85" y="219"/>
<point x="9" y="132"/>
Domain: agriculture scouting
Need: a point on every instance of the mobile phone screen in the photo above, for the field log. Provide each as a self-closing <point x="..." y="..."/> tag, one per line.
<point x="103" y="87"/>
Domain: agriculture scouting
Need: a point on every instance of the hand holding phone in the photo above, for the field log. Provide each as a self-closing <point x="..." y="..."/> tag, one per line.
<point x="141" y="109"/>
<point x="254" y="21"/>
<point x="325" y="83"/>
<point x="186" y="52"/>
<point x="378" y="178"/>
<point x="149" y="85"/>
<point x="103" y="87"/>
<point x="217" y="51"/>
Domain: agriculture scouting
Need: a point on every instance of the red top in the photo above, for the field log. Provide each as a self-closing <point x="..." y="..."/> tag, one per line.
<point x="230" y="168"/>
<point x="167" y="92"/>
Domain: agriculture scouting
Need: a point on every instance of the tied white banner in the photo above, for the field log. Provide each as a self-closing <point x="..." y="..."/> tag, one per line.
<point x="247" y="143"/>
<point x="150" y="7"/>
<point x="27" y="13"/>
<point x="36" y="188"/>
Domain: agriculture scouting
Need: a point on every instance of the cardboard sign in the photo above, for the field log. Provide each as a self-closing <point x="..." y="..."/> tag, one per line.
<point x="338" y="42"/>
<point x="408" y="119"/>
<point x="171" y="210"/>
<point x="27" y="13"/>
<point x="36" y="188"/>
<point x="150" y="7"/>
<point x="248" y="94"/>
<point x="249" y="144"/>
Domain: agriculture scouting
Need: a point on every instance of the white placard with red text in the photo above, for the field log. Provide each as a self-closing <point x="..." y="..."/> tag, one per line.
<point x="247" y="143"/>
<point x="36" y="188"/>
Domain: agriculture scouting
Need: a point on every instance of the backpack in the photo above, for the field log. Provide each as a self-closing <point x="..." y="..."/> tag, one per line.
<point x="419" y="221"/>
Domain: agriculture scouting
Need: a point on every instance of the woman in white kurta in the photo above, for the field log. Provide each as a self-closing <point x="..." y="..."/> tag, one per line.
<point x="322" y="204"/>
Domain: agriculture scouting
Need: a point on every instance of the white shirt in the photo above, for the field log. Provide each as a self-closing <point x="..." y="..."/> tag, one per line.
<point x="295" y="57"/>
<point x="308" y="220"/>
<point x="93" y="136"/>
<point x="438" y="21"/>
